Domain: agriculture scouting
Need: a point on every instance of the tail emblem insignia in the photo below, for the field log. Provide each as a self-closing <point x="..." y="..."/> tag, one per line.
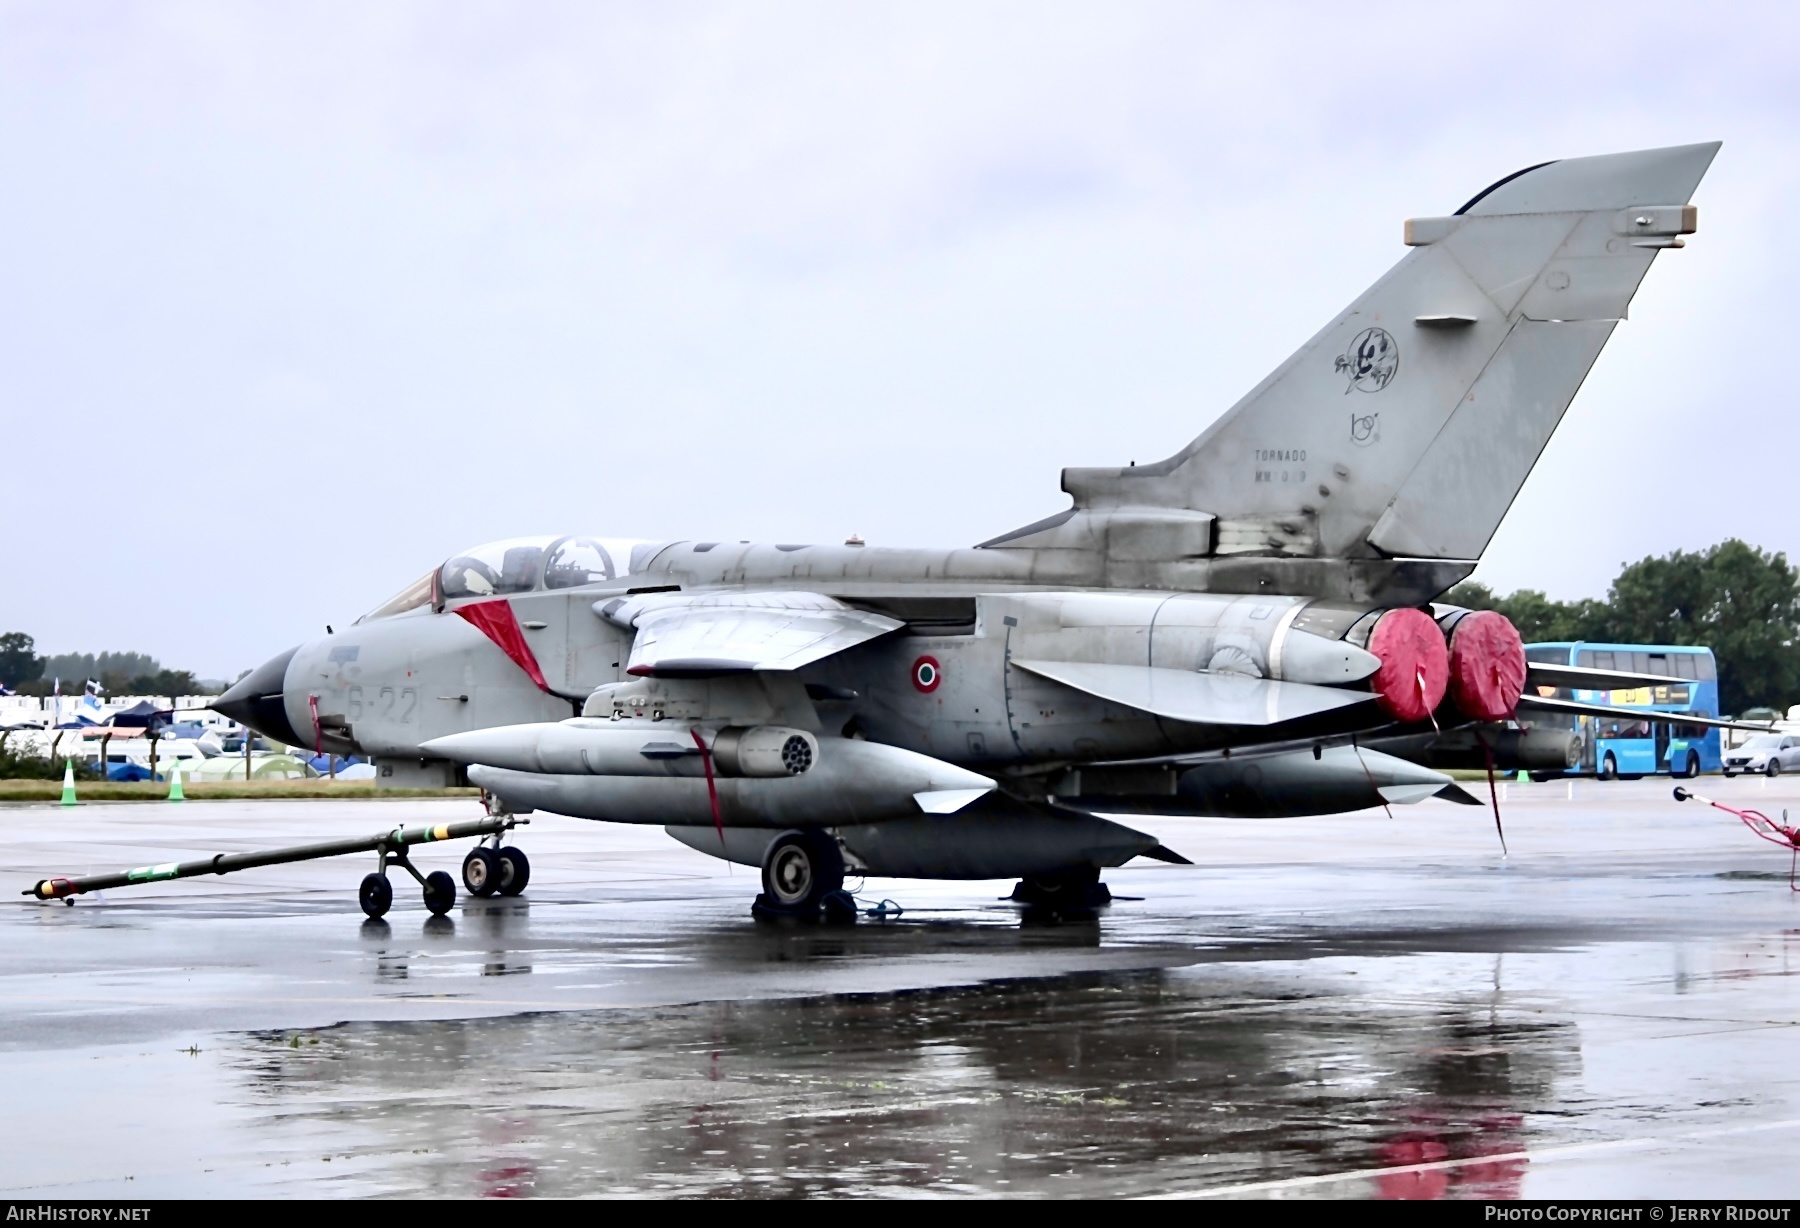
<point x="1371" y="362"/>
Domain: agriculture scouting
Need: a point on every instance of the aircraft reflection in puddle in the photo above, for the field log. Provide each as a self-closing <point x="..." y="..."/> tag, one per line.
<point x="1093" y="1084"/>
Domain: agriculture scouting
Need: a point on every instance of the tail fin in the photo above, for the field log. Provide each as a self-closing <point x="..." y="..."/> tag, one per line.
<point x="1406" y="427"/>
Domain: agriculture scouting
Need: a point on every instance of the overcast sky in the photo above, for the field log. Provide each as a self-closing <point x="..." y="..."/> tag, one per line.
<point x="295" y="300"/>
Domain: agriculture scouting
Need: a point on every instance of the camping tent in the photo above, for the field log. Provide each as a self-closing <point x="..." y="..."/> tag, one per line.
<point x="262" y="767"/>
<point x="141" y="715"/>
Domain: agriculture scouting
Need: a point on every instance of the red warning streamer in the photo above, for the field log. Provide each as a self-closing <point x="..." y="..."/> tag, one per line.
<point x="496" y="620"/>
<point x="1493" y="790"/>
<point x="712" y="789"/>
<point x="1761" y="826"/>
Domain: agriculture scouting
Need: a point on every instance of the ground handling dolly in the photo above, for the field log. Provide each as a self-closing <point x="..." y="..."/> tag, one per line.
<point x="376" y="894"/>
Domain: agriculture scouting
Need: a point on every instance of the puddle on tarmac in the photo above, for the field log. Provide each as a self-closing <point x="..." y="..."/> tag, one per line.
<point x="1089" y="1085"/>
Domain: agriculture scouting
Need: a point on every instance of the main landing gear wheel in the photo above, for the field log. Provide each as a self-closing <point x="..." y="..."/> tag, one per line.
<point x="440" y="892"/>
<point x="515" y="870"/>
<point x="481" y="871"/>
<point x="799" y="870"/>
<point x="1076" y="888"/>
<point x="376" y="895"/>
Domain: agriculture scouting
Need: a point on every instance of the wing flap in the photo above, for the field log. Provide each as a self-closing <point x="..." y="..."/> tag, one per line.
<point x="1198" y="698"/>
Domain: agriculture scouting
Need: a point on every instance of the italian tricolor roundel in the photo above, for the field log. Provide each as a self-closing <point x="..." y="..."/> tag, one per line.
<point x="926" y="674"/>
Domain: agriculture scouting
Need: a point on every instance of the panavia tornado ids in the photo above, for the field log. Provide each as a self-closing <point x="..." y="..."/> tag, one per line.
<point x="1243" y="629"/>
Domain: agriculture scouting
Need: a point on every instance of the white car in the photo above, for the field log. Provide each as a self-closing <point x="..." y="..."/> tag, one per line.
<point x="1768" y="753"/>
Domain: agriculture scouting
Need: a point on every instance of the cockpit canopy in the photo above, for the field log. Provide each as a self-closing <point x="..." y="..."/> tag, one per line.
<point x="517" y="565"/>
<point x="522" y="564"/>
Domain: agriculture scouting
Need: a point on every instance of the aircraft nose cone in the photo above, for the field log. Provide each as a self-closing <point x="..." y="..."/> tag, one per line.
<point x="257" y="700"/>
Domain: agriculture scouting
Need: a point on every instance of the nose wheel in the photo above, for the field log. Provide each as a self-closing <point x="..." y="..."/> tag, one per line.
<point x="489" y="871"/>
<point x="515" y="870"/>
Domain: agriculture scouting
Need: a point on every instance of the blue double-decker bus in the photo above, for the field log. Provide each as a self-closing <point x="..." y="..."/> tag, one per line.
<point x="1614" y="746"/>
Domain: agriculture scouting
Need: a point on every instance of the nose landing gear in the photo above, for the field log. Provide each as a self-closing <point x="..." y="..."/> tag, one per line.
<point x="496" y="870"/>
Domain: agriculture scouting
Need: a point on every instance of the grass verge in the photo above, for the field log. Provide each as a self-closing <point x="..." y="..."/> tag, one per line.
<point x="204" y="791"/>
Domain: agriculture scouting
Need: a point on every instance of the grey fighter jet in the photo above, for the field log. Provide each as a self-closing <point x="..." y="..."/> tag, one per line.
<point x="1237" y="630"/>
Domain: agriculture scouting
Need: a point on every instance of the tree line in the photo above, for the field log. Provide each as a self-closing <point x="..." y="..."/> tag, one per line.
<point x="1742" y="602"/>
<point x="121" y="673"/>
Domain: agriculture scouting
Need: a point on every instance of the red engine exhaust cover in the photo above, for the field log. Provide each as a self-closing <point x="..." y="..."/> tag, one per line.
<point x="1487" y="665"/>
<point x="1415" y="664"/>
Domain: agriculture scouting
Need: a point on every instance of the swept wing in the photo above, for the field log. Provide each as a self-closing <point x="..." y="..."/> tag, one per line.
<point x="1637" y="714"/>
<point x="722" y="633"/>
<point x="1584" y="678"/>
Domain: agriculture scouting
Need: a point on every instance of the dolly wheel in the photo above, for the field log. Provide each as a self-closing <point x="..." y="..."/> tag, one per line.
<point x="515" y="870"/>
<point x="440" y="893"/>
<point x="376" y="895"/>
<point x="481" y="871"/>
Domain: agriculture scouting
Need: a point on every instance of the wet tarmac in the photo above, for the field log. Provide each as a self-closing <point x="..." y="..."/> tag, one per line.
<point x="1354" y="1006"/>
